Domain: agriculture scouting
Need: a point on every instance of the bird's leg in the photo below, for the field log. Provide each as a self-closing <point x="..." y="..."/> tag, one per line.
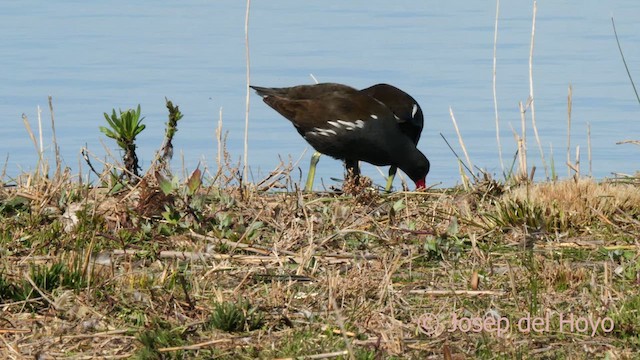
<point x="312" y="171"/>
<point x="353" y="170"/>
<point x="392" y="175"/>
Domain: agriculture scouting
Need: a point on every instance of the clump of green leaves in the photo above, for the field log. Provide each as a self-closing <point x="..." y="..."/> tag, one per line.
<point x="186" y="209"/>
<point x="626" y="318"/>
<point x="7" y="288"/>
<point x="517" y="213"/>
<point x="162" y="336"/>
<point x="46" y="278"/>
<point x="124" y="128"/>
<point x="445" y="245"/>
<point x="236" y="316"/>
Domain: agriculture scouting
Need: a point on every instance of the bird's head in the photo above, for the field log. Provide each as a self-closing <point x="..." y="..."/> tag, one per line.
<point x="417" y="169"/>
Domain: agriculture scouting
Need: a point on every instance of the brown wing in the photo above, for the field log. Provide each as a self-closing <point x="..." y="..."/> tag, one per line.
<point x="348" y="107"/>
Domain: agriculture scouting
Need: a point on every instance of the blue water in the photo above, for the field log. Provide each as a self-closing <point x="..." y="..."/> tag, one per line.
<point x="92" y="57"/>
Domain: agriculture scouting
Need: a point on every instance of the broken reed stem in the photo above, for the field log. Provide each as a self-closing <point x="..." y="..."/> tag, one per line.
<point x="569" y="106"/>
<point x="533" y="109"/>
<point x="577" y="163"/>
<point x="464" y="148"/>
<point x="554" y="174"/>
<point x="40" y="131"/>
<point x="634" y="142"/>
<point x="56" y="148"/>
<point x="589" y="148"/>
<point x="27" y="125"/>
<point x="522" y="143"/>
<point x="495" y="97"/>
<point x="246" y="119"/>
<point x="219" y="140"/>
<point x="41" y="150"/>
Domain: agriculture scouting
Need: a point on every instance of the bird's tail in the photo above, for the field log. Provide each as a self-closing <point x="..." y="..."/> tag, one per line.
<point x="265" y="91"/>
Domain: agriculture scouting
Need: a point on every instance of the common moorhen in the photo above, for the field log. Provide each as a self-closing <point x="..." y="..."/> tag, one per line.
<point x="406" y="108"/>
<point x="353" y="125"/>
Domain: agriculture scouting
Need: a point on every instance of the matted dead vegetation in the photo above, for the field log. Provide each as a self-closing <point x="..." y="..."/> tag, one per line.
<point x="234" y="272"/>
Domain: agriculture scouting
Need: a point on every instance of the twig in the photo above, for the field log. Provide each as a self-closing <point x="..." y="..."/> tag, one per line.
<point x="634" y="142"/>
<point x="104" y="333"/>
<point x="320" y="356"/>
<point x="623" y="60"/>
<point x="456" y="292"/>
<point x="195" y="346"/>
<point x="14" y="331"/>
<point x="44" y="296"/>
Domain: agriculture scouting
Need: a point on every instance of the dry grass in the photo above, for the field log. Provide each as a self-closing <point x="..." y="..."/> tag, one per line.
<point x="322" y="274"/>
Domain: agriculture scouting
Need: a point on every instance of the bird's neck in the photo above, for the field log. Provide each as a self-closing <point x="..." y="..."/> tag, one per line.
<point x="414" y="164"/>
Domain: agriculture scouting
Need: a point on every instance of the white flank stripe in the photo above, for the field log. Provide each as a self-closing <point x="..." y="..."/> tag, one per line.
<point x="414" y="110"/>
<point x="360" y="124"/>
<point x="335" y="124"/>
<point x="373" y="116"/>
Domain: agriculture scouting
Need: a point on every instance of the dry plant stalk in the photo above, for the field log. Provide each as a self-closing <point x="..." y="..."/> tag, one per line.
<point x="522" y="143"/>
<point x="464" y="148"/>
<point x="245" y="173"/>
<point x="577" y="163"/>
<point x="533" y="108"/>
<point x="41" y="152"/>
<point x="219" y="140"/>
<point x="495" y="97"/>
<point x="40" y="167"/>
<point x="589" y="148"/>
<point x="569" y="106"/>
<point x="56" y="148"/>
<point x="634" y="142"/>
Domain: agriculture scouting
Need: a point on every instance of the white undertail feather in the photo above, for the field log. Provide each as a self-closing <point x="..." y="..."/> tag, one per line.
<point x="348" y="124"/>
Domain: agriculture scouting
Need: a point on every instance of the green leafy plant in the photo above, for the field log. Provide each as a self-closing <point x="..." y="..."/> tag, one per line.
<point x="124" y="129"/>
<point x="186" y="209"/>
<point x="236" y="316"/>
<point x="7" y="288"/>
<point x="47" y="279"/>
<point x="161" y="336"/>
<point x="171" y="128"/>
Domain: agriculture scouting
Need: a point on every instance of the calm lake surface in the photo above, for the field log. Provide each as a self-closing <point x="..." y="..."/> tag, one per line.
<point x="95" y="56"/>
